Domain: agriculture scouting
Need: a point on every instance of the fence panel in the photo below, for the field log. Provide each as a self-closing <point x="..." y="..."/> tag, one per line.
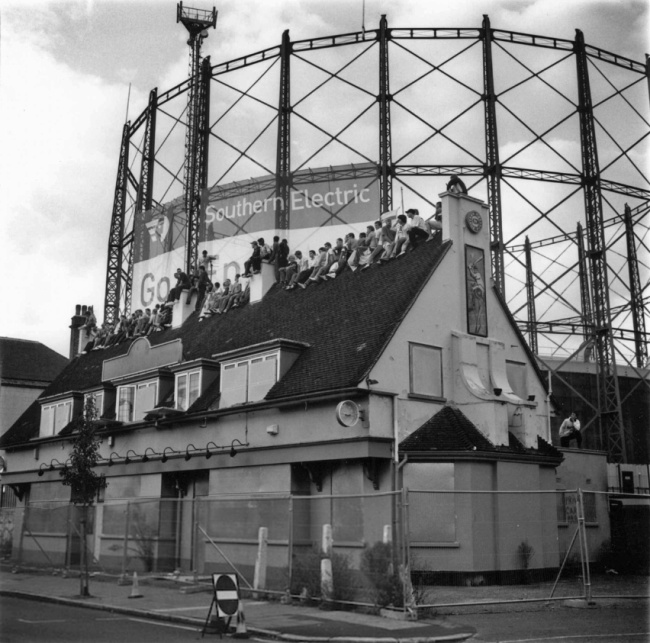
<point x="227" y="534"/>
<point x="617" y="528"/>
<point x="469" y="547"/>
<point x="361" y="554"/>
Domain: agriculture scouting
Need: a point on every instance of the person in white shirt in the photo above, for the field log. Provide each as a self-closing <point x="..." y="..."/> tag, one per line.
<point x="570" y="430"/>
<point x="305" y="270"/>
<point x="417" y="230"/>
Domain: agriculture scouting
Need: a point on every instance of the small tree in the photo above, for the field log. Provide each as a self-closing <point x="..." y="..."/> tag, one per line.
<point x="80" y="476"/>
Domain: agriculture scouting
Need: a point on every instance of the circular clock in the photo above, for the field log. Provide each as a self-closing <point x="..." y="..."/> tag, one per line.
<point x="347" y="413"/>
<point x="474" y="221"/>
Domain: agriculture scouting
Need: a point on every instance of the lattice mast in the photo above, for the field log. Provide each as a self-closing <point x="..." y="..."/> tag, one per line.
<point x="115" y="273"/>
<point x="530" y="296"/>
<point x="636" y="293"/>
<point x="283" y="157"/>
<point x="197" y="22"/>
<point x="585" y="290"/>
<point x="611" y="418"/>
<point x="386" y="170"/>
<point x="492" y="169"/>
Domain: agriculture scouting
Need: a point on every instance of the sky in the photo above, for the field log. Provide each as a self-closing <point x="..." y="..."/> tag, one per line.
<point x="65" y="70"/>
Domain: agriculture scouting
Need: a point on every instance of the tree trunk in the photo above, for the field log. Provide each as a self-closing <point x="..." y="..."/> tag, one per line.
<point x="83" y="572"/>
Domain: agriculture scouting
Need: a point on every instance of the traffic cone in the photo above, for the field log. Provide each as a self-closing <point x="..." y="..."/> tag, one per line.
<point x="135" y="590"/>
<point x="241" y="632"/>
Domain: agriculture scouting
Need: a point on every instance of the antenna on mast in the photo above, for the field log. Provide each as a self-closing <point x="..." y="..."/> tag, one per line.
<point x="197" y="22"/>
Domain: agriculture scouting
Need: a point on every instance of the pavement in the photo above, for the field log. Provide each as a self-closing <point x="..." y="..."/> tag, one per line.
<point x="174" y="600"/>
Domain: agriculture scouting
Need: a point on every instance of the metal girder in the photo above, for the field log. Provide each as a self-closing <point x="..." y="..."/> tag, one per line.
<point x="492" y="166"/>
<point x="636" y="293"/>
<point x="196" y="148"/>
<point x="144" y="199"/>
<point x="283" y="151"/>
<point x="585" y="290"/>
<point x="116" y="236"/>
<point x="384" y="99"/>
<point x="530" y="294"/>
<point x="610" y="416"/>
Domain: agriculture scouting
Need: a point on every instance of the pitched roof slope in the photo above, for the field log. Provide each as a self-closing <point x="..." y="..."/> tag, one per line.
<point x="450" y="430"/>
<point x="346" y="323"/>
<point x="29" y="361"/>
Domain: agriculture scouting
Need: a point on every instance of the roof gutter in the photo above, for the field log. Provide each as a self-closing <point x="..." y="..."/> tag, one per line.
<point x="482" y="456"/>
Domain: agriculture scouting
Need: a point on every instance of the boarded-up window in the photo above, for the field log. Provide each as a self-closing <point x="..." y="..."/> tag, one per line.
<point x="425" y="370"/>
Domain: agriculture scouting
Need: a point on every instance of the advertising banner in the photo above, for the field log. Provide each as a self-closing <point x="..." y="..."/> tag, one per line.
<point x="159" y="238"/>
<point x="324" y="204"/>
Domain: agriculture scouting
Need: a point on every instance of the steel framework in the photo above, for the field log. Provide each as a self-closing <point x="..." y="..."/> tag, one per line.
<point x="486" y="84"/>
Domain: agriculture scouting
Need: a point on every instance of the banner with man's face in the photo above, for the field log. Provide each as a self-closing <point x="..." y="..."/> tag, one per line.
<point x="324" y="204"/>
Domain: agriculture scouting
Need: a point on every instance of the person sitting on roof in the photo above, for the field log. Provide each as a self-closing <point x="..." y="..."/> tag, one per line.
<point x="333" y="260"/>
<point x="321" y="268"/>
<point x="303" y="269"/>
<point x="142" y="327"/>
<point x="90" y="324"/>
<point x="182" y="283"/>
<point x="209" y="300"/>
<point x="119" y="332"/>
<point x="387" y="240"/>
<point x="351" y="244"/>
<point x="266" y="252"/>
<point x="225" y="293"/>
<point x="358" y="247"/>
<point x="401" y="236"/>
<point x="233" y="295"/>
<point x="245" y="295"/>
<point x="435" y="222"/>
<point x="254" y="262"/>
<point x="320" y="262"/>
<point x="154" y="322"/>
<point x="418" y="230"/>
<point x="378" y="249"/>
<point x="455" y="185"/>
<point x="286" y="272"/>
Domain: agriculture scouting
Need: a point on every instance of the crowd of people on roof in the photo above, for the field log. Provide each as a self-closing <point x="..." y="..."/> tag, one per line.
<point x="383" y="241"/>
<point x="387" y="239"/>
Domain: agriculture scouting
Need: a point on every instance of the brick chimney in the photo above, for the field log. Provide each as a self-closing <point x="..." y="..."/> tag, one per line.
<point x="262" y="283"/>
<point x="77" y="320"/>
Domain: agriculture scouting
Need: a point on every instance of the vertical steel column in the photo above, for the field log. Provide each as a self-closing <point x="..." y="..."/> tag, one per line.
<point x="116" y="236"/>
<point x="492" y="168"/>
<point x="611" y="418"/>
<point x="385" y="148"/>
<point x="203" y="134"/>
<point x="530" y="294"/>
<point x="196" y="151"/>
<point x="585" y="293"/>
<point x="144" y="198"/>
<point x="636" y="293"/>
<point x="283" y="158"/>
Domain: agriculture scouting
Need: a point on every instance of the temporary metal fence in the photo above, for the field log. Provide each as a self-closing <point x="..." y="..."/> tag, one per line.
<point x="411" y="550"/>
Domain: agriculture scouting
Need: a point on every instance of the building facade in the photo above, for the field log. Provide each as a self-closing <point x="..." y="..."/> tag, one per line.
<point x="411" y="374"/>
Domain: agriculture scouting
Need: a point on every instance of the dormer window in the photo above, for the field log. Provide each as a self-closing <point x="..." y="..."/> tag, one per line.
<point x="98" y="398"/>
<point x="188" y="389"/>
<point x="248" y="380"/>
<point x="54" y="417"/>
<point x="134" y="400"/>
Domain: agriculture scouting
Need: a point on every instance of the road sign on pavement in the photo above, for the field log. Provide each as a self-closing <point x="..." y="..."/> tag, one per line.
<point x="226" y="592"/>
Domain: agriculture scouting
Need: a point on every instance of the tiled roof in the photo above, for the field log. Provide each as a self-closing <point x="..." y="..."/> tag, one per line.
<point x="345" y="322"/>
<point x="29" y="361"/>
<point x="450" y="430"/>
